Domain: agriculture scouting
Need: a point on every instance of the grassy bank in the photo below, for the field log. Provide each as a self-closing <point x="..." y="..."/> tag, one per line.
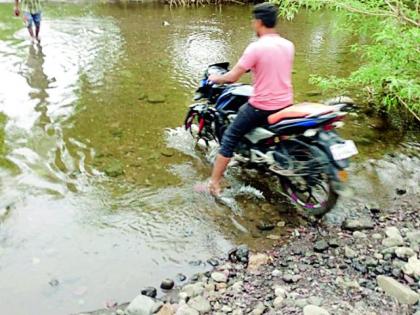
<point x="389" y="65"/>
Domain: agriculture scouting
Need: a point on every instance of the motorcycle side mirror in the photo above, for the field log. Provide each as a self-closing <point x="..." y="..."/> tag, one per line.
<point x="198" y="96"/>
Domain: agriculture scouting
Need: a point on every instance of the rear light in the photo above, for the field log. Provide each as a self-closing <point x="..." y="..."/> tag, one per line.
<point x="343" y="176"/>
<point x="328" y="127"/>
<point x="201" y="126"/>
<point x="334" y="123"/>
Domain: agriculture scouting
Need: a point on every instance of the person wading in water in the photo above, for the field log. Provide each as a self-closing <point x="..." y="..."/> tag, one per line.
<point x="31" y="15"/>
<point x="270" y="60"/>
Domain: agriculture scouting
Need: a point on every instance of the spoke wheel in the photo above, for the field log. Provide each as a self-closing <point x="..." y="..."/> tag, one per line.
<point x="312" y="188"/>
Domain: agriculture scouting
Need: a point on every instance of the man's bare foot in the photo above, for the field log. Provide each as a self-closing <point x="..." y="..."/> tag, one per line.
<point x="214" y="188"/>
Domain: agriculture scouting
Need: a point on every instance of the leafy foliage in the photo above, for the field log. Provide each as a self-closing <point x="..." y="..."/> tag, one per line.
<point x="390" y="64"/>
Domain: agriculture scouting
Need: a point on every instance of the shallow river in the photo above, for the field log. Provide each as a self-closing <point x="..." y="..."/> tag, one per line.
<point x="96" y="197"/>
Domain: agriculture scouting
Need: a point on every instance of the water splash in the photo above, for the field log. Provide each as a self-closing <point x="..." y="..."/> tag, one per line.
<point x="181" y="140"/>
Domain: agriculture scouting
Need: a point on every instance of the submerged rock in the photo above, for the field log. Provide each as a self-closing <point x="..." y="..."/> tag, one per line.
<point x="397" y="290"/>
<point x="156" y="99"/>
<point x="114" y="168"/>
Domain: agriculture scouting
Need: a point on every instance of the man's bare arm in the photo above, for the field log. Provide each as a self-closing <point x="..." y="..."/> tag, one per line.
<point x="230" y="77"/>
<point x="17" y="11"/>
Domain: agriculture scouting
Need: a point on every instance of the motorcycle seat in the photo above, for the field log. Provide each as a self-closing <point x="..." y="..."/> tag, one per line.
<point x="301" y="110"/>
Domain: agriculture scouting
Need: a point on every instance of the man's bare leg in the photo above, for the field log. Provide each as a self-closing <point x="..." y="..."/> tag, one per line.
<point x="37" y="29"/>
<point x="31" y="32"/>
<point x="219" y="168"/>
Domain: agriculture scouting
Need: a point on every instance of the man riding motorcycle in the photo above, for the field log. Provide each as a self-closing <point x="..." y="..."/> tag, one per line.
<point x="270" y="60"/>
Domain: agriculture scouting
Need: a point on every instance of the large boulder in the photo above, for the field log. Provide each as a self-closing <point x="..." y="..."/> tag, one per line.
<point x="397" y="290"/>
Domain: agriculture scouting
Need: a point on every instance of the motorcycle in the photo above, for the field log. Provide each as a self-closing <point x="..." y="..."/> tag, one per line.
<point x="299" y="145"/>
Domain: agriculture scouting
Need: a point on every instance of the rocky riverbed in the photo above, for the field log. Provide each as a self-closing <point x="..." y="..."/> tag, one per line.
<point x="368" y="265"/>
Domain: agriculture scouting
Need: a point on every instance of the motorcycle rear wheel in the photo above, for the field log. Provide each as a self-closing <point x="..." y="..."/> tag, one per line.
<point x="311" y="185"/>
<point x="305" y="199"/>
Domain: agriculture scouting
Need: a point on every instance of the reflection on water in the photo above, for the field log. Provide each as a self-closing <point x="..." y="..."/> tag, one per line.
<point x="96" y="98"/>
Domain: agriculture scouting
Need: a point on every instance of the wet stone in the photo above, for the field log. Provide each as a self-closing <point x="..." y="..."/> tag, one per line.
<point x="265" y="226"/>
<point x="149" y="291"/>
<point x="156" y="99"/>
<point x="167" y="284"/>
<point x="213" y="262"/>
<point x="181" y="277"/>
<point x="54" y="282"/>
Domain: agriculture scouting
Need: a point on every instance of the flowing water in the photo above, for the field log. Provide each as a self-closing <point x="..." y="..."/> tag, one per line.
<point x="96" y="181"/>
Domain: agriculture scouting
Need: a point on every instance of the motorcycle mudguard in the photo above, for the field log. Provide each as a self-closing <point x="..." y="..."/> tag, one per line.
<point x="324" y="140"/>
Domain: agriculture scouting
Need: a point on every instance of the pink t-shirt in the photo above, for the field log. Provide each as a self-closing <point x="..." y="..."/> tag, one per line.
<point x="270" y="59"/>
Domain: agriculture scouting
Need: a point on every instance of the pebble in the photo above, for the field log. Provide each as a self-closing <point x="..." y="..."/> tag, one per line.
<point x="276" y="273"/>
<point x="186" y="310"/>
<point x="358" y="234"/>
<point x="412" y="267"/>
<point x="166" y="309"/>
<point x="142" y="305"/>
<point x="333" y="243"/>
<point x="349" y="253"/>
<point x="181" y="277"/>
<point x="404" y="252"/>
<point x="213" y="262"/>
<point x="321" y="246"/>
<point x="301" y="303"/>
<point x="192" y="290"/>
<point x="219" y="276"/>
<point x="357" y="224"/>
<point x="278" y="302"/>
<point x="200" y="304"/>
<point x="393" y="232"/>
<point x="256" y="261"/>
<point x="259" y="309"/>
<point x="274" y="237"/>
<point x="376" y="236"/>
<point x="392" y="241"/>
<point x="265" y="226"/>
<point x="54" y="282"/>
<point x="314" y="310"/>
<point x="280" y="291"/>
<point x="281" y="224"/>
<point x="414" y="237"/>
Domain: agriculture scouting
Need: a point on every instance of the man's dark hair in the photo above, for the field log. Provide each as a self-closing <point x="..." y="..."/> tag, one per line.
<point x="267" y="13"/>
